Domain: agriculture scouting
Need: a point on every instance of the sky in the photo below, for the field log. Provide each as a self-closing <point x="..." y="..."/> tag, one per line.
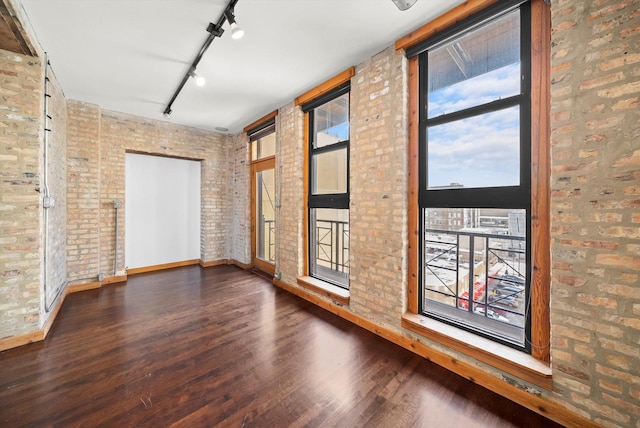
<point x="481" y="151"/>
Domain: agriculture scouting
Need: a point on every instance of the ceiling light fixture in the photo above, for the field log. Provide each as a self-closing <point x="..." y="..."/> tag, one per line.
<point x="404" y="4"/>
<point x="214" y="30"/>
<point x="236" y="31"/>
<point x="200" y="81"/>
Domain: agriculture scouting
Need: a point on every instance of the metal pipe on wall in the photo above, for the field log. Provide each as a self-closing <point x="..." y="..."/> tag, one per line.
<point x="116" y="204"/>
<point x="278" y="183"/>
<point x="47" y="201"/>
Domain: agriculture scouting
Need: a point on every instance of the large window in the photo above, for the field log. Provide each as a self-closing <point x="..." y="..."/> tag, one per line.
<point x="474" y="193"/>
<point x="328" y="187"/>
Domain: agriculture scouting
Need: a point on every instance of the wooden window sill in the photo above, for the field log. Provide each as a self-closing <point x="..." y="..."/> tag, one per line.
<point x="502" y="357"/>
<point x="337" y="294"/>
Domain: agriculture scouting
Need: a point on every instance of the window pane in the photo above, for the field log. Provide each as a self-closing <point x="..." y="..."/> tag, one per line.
<point x="331" y="122"/>
<point x="476" y="68"/>
<point x="329" y="246"/>
<point x="477" y="257"/>
<point x="329" y="172"/>
<point x="266" y="220"/>
<point x="480" y="151"/>
<point x="263" y="147"/>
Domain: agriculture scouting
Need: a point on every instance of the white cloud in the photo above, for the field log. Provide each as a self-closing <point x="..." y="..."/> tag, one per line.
<point x="476" y="152"/>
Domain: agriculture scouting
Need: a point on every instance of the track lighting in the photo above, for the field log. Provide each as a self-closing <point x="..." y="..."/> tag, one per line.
<point x="236" y="31"/>
<point x="404" y="4"/>
<point x="214" y="30"/>
<point x="200" y="81"/>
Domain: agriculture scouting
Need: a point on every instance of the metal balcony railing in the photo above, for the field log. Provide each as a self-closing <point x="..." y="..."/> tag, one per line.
<point x="268" y="230"/>
<point x="332" y="245"/>
<point x="488" y="270"/>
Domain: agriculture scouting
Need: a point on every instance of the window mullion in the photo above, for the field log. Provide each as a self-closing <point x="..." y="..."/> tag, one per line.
<point x="500" y="104"/>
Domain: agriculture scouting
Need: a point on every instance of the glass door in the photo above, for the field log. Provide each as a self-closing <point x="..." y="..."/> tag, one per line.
<point x="263" y="213"/>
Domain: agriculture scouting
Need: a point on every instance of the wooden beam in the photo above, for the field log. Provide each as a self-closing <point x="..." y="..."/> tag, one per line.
<point x="12" y="33"/>
<point x="540" y="179"/>
<point x="325" y="87"/>
<point x="450" y="18"/>
<point x="413" y="187"/>
<point x="258" y="123"/>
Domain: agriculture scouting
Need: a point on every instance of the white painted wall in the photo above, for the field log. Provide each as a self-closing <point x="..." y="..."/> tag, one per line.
<point x="162" y="210"/>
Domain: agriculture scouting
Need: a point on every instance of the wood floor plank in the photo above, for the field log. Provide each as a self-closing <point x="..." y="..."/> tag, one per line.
<point x="220" y="346"/>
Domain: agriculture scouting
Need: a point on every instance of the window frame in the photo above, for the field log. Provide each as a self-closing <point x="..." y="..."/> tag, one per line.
<point x="533" y="367"/>
<point x="255" y="132"/>
<point x="319" y="201"/>
<point x="501" y="197"/>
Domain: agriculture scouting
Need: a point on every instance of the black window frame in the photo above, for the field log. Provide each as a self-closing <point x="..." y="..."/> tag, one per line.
<point x="332" y="200"/>
<point x="259" y="132"/>
<point x="503" y="197"/>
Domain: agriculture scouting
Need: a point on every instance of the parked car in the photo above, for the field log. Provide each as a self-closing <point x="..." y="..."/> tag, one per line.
<point x="480" y="310"/>
<point x="511" y="281"/>
<point x="508" y="290"/>
<point x="506" y="300"/>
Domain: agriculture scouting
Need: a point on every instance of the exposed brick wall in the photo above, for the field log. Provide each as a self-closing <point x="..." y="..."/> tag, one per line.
<point x="240" y="194"/>
<point x="289" y="169"/>
<point x="378" y="183"/>
<point x="20" y="214"/>
<point x="83" y="191"/>
<point x="116" y="134"/>
<point x="595" y="200"/>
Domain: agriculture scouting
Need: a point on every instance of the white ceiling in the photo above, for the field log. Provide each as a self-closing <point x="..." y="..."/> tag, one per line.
<point x="130" y="55"/>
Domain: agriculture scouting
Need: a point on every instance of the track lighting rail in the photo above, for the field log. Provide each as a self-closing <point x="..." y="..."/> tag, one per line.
<point x="214" y="30"/>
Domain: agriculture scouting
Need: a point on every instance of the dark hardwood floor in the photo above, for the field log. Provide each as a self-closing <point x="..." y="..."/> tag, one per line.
<point x="220" y="346"/>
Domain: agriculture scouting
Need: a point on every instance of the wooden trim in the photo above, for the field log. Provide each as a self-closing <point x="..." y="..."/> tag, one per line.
<point x="114" y="279"/>
<point x="305" y="197"/>
<point x="214" y="263"/>
<point x="54" y="314"/>
<point x="38" y="335"/>
<point x="253" y="214"/>
<point x="413" y="212"/>
<point x="258" y="166"/>
<point x="161" y="155"/>
<point x="442" y="22"/>
<point x="266" y="267"/>
<point x="325" y="87"/>
<point x="538" y="404"/>
<point x="21" y="340"/>
<point x="163" y="266"/>
<point x="540" y="177"/>
<point x="260" y="121"/>
<point x="239" y="264"/>
<point x="83" y="287"/>
<point x="335" y="293"/>
<point x="489" y="352"/>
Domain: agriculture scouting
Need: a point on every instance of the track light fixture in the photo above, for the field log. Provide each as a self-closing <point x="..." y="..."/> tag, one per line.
<point x="404" y="4"/>
<point x="236" y="31"/>
<point x="200" y="81"/>
<point x="214" y="30"/>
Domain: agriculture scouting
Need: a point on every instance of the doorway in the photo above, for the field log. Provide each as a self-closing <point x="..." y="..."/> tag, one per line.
<point x="263" y="199"/>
